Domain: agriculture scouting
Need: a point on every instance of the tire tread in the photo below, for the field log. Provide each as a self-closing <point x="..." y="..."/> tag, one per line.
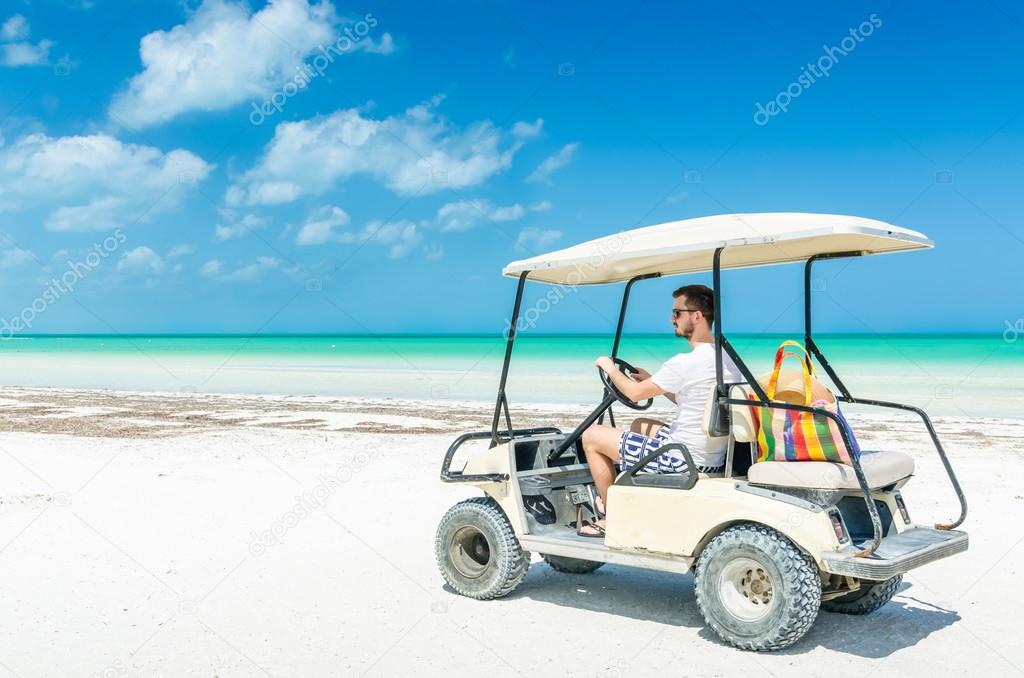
<point x="513" y="566"/>
<point x="878" y="594"/>
<point x="803" y="607"/>
<point x="571" y="565"/>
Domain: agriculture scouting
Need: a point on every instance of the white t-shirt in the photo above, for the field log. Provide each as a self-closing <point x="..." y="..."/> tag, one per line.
<point x="691" y="377"/>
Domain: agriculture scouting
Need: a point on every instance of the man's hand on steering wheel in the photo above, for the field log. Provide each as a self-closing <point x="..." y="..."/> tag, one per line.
<point x="607" y="364"/>
<point x="607" y="369"/>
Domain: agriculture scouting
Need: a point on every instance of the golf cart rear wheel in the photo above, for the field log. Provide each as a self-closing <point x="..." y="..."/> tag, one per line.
<point x="865" y="600"/>
<point x="756" y="589"/>
<point x="477" y="550"/>
<point x="571" y="565"/>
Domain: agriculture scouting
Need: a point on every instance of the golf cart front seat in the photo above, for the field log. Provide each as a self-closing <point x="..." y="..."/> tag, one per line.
<point x="881" y="469"/>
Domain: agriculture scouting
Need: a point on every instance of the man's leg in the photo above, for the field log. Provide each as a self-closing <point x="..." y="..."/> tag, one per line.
<point x="646" y="426"/>
<point x="601" y="445"/>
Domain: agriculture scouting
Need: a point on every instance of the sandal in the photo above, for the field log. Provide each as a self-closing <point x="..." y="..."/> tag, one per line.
<point x="597" y="533"/>
<point x="581" y="525"/>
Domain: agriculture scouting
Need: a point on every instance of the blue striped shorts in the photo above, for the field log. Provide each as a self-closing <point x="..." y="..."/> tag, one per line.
<point x="634" y="447"/>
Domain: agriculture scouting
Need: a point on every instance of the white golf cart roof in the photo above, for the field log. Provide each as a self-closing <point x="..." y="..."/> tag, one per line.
<point x="688" y="246"/>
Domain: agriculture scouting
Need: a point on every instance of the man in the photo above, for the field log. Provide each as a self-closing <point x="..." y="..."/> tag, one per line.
<point x="687" y="380"/>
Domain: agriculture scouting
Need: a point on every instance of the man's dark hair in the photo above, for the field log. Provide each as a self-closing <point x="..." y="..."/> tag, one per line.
<point x="699" y="298"/>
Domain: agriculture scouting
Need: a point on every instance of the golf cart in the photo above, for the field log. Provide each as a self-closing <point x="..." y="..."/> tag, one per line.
<point x="770" y="542"/>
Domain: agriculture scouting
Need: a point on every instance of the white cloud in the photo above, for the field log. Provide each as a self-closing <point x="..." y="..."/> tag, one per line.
<point x="253" y="271"/>
<point x="180" y="251"/>
<point x="525" y="130"/>
<point x="250" y="273"/>
<point x="13" y="257"/>
<point x="553" y="163"/>
<point x="224" y="55"/>
<point x="237" y="228"/>
<point x="415" y="152"/>
<point x="385" y="46"/>
<point x="15" y="28"/>
<point x="25" y="53"/>
<point x="94" y="182"/>
<point x="433" y="252"/>
<point x="212" y="268"/>
<point x="400" y="237"/>
<point x="320" y="228"/>
<point x="18" y="51"/>
<point x="463" y="215"/>
<point x="535" y="240"/>
<point x="141" y="260"/>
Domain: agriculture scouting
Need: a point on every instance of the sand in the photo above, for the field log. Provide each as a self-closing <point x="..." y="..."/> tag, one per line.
<point x="195" y="535"/>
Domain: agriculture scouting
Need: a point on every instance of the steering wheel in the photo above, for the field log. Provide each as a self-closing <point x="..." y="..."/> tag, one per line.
<point x="610" y="386"/>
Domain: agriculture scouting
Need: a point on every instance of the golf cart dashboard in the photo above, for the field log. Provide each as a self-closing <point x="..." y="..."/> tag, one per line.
<point x="533" y="452"/>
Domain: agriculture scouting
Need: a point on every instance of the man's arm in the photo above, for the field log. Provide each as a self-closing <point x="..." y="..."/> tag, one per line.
<point x="644" y="375"/>
<point x="634" y="390"/>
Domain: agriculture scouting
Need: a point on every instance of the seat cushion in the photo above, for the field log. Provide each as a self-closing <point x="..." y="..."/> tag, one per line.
<point x="880" y="469"/>
<point x="742" y="418"/>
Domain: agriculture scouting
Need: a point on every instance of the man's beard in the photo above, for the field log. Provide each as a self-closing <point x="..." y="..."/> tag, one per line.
<point x="682" y="332"/>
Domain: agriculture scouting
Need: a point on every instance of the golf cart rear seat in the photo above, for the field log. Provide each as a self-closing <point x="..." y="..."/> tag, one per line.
<point x="881" y="469"/>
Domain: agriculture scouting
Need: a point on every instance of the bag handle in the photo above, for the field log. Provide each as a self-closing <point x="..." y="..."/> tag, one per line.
<point x="805" y="362"/>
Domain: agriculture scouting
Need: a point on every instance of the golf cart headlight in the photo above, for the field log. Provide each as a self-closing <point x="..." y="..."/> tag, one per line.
<point x="837" y="525"/>
<point x="903" y="508"/>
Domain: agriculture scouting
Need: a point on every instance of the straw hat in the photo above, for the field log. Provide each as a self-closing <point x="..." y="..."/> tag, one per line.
<point x="790" y="388"/>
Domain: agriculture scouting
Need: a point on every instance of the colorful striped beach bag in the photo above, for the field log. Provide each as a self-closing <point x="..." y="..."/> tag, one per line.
<point x="790" y="435"/>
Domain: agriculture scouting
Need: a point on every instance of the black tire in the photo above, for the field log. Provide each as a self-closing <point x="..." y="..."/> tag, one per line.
<point x="571" y="565"/>
<point x="757" y="572"/>
<point x="865" y="600"/>
<point x="477" y="550"/>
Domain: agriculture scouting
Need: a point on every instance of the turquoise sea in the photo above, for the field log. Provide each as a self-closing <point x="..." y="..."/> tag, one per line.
<point x="972" y="375"/>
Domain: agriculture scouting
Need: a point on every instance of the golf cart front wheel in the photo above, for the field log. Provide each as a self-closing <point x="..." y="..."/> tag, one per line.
<point x="571" y="565"/>
<point x="756" y="589"/>
<point x="865" y="600"/>
<point x="477" y="550"/>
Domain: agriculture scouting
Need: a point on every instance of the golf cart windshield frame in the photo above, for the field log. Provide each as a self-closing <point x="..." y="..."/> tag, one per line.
<point x="722" y="345"/>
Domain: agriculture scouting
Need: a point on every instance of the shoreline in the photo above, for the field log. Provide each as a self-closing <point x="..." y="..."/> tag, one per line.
<point x="147" y="414"/>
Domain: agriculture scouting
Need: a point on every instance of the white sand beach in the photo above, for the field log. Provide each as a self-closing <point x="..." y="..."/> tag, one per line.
<point x="192" y="535"/>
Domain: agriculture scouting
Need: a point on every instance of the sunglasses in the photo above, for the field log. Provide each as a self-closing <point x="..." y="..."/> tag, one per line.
<point x="676" y="312"/>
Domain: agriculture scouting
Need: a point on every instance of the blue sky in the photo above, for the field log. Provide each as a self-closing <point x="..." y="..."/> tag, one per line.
<point x="384" y="186"/>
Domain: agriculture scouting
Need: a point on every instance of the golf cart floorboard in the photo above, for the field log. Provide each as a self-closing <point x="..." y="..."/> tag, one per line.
<point x="899" y="553"/>
<point x="571" y="545"/>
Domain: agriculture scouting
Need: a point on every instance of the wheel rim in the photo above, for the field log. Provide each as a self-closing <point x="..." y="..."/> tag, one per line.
<point x="470" y="552"/>
<point x="745" y="589"/>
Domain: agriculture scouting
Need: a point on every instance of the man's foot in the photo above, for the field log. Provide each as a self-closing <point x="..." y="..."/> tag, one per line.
<point x="599" y="506"/>
<point x="591" y="529"/>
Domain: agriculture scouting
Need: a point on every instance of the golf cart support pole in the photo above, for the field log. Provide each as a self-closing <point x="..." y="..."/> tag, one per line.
<point x="618" y="328"/>
<point x="622" y="309"/>
<point x="846" y="396"/>
<point x="502" y="402"/>
<point x="721" y="343"/>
